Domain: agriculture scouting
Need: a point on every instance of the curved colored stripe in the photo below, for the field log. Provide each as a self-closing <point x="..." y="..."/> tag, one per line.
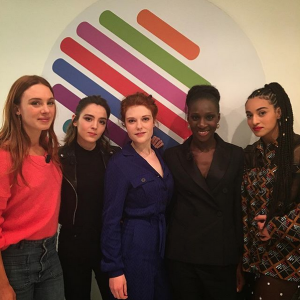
<point x="70" y="101"/>
<point x="146" y="47"/>
<point x="89" y="87"/>
<point x="132" y="64"/>
<point x="121" y="84"/>
<point x="168" y="34"/>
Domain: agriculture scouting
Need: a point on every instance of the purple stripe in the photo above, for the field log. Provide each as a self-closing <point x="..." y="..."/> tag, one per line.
<point x="131" y="64"/>
<point x="70" y="101"/>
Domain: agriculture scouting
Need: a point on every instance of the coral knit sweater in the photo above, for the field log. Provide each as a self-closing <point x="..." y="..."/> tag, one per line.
<point x="28" y="212"/>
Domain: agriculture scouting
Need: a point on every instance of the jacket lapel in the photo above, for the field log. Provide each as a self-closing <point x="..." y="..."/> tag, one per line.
<point x="219" y="165"/>
<point x="140" y="162"/>
<point x="188" y="164"/>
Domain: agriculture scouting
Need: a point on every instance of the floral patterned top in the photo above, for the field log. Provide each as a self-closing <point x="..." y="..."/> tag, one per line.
<point x="279" y="256"/>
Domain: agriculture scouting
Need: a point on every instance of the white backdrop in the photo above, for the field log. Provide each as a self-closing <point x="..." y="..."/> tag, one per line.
<point x="29" y="31"/>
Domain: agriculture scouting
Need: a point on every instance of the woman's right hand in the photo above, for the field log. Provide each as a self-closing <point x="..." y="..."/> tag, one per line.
<point x="118" y="287"/>
<point x="7" y="292"/>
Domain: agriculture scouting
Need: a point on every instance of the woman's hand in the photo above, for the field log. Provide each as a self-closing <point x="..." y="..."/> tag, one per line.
<point x="7" y="292"/>
<point x="118" y="287"/>
<point x="263" y="231"/>
<point x="240" y="279"/>
<point x="157" y="142"/>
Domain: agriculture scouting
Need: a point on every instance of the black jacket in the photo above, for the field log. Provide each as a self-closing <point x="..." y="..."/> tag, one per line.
<point x="206" y="224"/>
<point x="69" y="198"/>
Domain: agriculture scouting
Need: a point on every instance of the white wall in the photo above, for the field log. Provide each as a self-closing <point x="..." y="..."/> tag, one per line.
<point x="28" y="30"/>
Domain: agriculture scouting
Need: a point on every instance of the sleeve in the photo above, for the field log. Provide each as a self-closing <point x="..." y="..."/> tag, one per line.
<point x="288" y="226"/>
<point x="238" y="202"/>
<point x="171" y="204"/>
<point x="115" y="191"/>
<point x="5" y="193"/>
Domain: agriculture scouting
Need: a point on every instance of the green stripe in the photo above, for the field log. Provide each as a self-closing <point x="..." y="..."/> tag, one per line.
<point x="149" y="49"/>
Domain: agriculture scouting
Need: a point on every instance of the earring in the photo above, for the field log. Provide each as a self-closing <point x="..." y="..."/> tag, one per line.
<point x="188" y="126"/>
<point x="218" y="125"/>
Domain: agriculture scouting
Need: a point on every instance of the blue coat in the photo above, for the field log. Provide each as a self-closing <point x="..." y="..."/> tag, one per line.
<point x="134" y="228"/>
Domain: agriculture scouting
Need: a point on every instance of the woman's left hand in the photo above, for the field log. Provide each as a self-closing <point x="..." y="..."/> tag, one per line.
<point x="157" y="142"/>
<point x="240" y="277"/>
<point x="263" y="231"/>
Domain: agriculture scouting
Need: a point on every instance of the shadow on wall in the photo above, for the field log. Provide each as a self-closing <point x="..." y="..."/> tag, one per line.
<point x="241" y="133"/>
<point x="243" y="136"/>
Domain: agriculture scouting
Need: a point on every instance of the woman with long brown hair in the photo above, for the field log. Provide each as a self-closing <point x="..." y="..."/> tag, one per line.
<point x="84" y="157"/>
<point x="30" y="183"/>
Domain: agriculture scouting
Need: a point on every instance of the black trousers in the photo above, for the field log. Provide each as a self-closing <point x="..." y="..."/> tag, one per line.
<point x="202" y="282"/>
<point x="79" y="258"/>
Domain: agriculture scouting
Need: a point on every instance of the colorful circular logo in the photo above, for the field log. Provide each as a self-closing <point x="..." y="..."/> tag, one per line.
<point x="115" y="48"/>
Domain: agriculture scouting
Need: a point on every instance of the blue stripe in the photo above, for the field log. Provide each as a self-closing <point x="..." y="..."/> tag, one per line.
<point x="89" y="87"/>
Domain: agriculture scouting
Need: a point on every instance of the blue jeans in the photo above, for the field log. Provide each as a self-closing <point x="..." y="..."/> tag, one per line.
<point x="33" y="270"/>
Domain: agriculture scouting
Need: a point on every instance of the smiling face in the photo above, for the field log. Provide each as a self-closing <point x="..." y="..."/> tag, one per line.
<point x="90" y="125"/>
<point x="139" y="123"/>
<point x="37" y="109"/>
<point x="262" y="118"/>
<point x="203" y="117"/>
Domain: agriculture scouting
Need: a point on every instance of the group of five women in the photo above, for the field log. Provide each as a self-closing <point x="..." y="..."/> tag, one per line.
<point x="182" y="227"/>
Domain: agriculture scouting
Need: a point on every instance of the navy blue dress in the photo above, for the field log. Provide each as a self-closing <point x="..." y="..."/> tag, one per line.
<point x="134" y="227"/>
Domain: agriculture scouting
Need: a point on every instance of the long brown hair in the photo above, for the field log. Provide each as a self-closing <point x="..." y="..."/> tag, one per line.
<point x="13" y="136"/>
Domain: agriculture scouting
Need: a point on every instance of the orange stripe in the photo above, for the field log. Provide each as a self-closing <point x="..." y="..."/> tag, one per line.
<point x="168" y="34"/>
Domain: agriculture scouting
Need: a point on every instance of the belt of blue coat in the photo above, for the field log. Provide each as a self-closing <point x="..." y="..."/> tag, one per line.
<point x="161" y="220"/>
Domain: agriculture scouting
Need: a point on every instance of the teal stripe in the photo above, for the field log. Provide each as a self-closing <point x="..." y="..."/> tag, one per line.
<point x="149" y="49"/>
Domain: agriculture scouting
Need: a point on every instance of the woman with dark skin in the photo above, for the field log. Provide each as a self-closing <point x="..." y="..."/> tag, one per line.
<point x="204" y="239"/>
<point x="271" y="196"/>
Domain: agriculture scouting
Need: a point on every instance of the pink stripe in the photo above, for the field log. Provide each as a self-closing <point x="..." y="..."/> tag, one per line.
<point x="131" y="64"/>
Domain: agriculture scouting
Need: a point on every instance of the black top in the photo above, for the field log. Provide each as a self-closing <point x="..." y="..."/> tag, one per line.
<point x="205" y="225"/>
<point x="90" y="188"/>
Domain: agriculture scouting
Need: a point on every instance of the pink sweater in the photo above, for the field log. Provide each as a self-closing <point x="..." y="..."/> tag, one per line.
<point x="28" y="212"/>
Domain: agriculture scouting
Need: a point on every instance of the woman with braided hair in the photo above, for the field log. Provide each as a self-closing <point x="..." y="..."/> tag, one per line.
<point x="271" y="196"/>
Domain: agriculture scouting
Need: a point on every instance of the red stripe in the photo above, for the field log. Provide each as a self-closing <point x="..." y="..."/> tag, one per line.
<point x="120" y="83"/>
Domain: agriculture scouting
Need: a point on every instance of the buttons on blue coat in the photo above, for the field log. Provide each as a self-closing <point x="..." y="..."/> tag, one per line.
<point x="142" y="179"/>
